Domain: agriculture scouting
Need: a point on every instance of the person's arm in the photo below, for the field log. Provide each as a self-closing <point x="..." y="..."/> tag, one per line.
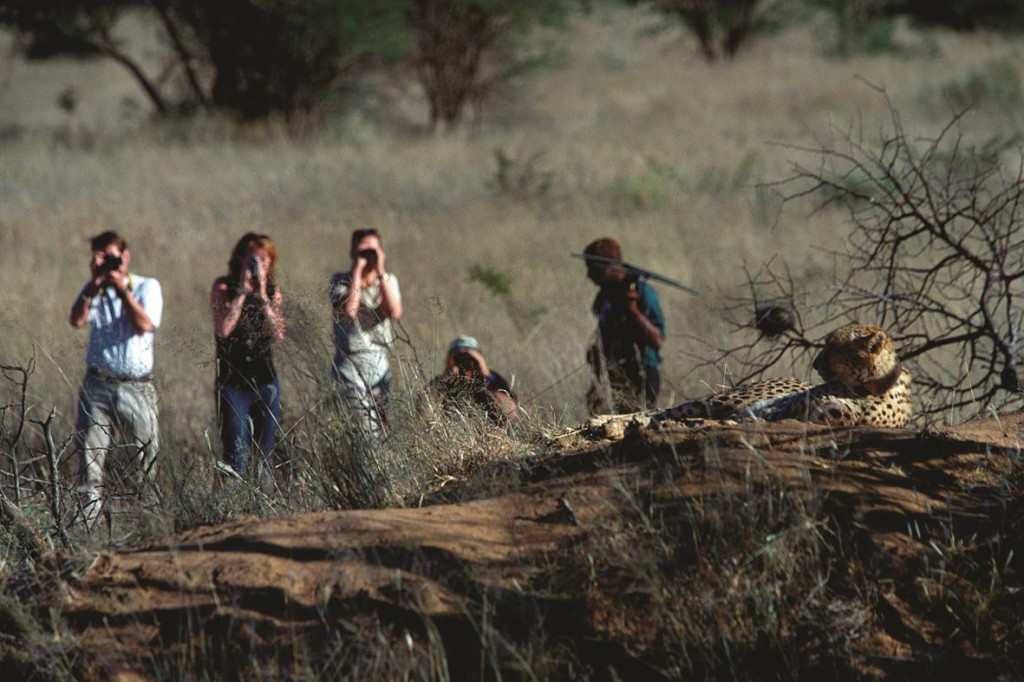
<point x="650" y="334"/>
<point x="501" y="393"/>
<point x="271" y="305"/>
<point x="226" y="309"/>
<point x="391" y="299"/>
<point x="130" y="305"/>
<point x="275" y="314"/>
<point x="347" y="306"/>
<point x="83" y="304"/>
<point x="508" y="405"/>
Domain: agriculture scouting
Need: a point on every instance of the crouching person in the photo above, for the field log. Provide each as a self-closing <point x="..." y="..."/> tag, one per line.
<point x="123" y="311"/>
<point x="467" y="380"/>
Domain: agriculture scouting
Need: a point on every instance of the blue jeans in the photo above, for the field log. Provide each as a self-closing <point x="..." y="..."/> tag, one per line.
<point x="248" y="414"/>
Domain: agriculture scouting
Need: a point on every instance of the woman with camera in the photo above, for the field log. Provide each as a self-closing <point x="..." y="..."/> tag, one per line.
<point x="247" y="320"/>
<point x="365" y="300"/>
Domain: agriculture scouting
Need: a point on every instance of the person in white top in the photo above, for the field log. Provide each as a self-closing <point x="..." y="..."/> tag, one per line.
<point x="366" y="299"/>
<point x="123" y="310"/>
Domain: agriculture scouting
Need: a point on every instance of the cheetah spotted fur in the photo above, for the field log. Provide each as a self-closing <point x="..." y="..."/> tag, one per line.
<point x="865" y="385"/>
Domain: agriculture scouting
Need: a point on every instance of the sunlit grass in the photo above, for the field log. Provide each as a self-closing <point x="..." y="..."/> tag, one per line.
<point x="660" y="149"/>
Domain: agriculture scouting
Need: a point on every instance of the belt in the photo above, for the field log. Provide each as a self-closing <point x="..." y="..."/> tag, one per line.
<point x="104" y="375"/>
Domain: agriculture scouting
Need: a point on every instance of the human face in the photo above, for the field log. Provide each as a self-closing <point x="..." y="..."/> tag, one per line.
<point x="262" y="256"/>
<point x="370" y="242"/>
<point x="603" y="274"/>
<point x="102" y="259"/>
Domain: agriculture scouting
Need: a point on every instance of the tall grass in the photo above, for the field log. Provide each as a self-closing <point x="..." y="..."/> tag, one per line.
<point x="659" y="148"/>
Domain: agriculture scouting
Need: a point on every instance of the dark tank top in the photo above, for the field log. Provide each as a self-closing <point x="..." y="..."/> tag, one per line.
<point x="245" y="357"/>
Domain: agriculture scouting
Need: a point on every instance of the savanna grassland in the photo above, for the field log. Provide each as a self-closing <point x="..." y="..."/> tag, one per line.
<point x="707" y="551"/>
<point x="629" y="134"/>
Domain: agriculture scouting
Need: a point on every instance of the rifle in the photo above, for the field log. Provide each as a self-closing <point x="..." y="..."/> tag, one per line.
<point x="636" y="271"/>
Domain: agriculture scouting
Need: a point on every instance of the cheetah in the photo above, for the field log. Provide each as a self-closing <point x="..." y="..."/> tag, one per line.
<point x="865" y="385"/>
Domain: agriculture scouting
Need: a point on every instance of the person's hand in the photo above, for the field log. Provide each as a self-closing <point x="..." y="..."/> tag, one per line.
<point x="99" y="274"/>
<point x="104" y="275"/>
<point x="248" y="284"/>
<point x="379" y="265"/>
<point x="477" y="366"/>
<point x="118" y="279"/>
<point x="262" y="266"/>
<point x="359" y="264"/>
<point x="632" y="298"/>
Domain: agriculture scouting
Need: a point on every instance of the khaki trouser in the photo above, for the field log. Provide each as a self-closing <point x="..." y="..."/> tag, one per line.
<point x="106" y="408"/>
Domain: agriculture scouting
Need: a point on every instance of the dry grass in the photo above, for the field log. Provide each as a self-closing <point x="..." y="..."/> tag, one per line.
<point x="632" y="136"/>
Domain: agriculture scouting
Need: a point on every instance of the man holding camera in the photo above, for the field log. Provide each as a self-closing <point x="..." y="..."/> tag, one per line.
<point x="123" y="311"/>
<point x="467" y="380"/>
<point x="630" y="331"/>
<point x="366" y="300"/>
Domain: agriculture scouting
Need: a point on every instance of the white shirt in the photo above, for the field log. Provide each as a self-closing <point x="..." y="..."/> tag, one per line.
<point x="361" y="345"/>
<point x="114" y="344"/>
<point x="368" y="332"/>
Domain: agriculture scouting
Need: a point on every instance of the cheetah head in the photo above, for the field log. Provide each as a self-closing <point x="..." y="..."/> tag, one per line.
<point x="860" y="356"/>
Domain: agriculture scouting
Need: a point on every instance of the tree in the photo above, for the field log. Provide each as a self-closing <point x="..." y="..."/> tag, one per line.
<point x="721" y="26"/>
<point x="965" y="15"/>
<point x="79" y="28"/>
<point x="455" y="39"/>
<point x="935" y="255"/>
<point x="856" y="20"/>
<point x="280" y="56"/>
<point x="251" y="57"/>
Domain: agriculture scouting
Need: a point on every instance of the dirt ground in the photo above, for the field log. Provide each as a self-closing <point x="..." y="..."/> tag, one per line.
<point x="257" y="583"/>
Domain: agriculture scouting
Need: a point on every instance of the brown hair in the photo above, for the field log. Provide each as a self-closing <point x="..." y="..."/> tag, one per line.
<point x="251" y="241"/>
<point x="105" y="239"/>
<point x="360" y="235"/>
<point x="606" y="247"/>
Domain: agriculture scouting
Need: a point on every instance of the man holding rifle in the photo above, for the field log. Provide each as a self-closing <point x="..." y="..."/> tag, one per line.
<point x="625" y="353"/>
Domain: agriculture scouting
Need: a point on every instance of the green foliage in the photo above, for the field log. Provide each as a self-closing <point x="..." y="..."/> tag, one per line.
<point x="455" y="40"/>
<point x="251" y="57"/>
<point x="867" y="21"/>
<point x="874" y="37"/>
<point x="658" y="182"/>
<point x="292" y="53"/>
<point x="721" y="26"/>
<point x="652" y="186"/>
<point x="996" y="85"/>
<point x="965" y="15"/>
<point x="859" y="27"/>
<point x="497" y="282"/>
<point x="523" y="178"/>
<point x="257" y="58"/>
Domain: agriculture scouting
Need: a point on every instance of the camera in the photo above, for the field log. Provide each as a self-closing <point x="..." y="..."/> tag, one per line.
<point x="111" y="263"/>
<point x="369" y="255"/>
<point x="254" y="268"/>
<point x="466" y="363"/>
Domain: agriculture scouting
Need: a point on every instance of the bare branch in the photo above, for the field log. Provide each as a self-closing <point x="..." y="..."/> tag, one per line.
<point x="934" y="254"/>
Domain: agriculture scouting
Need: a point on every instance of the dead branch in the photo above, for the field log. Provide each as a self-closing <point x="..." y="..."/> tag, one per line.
<point x="934" y="255"/>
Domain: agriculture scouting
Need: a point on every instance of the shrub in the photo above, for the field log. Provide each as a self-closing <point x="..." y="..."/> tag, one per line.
<point x="933" y="255"/>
